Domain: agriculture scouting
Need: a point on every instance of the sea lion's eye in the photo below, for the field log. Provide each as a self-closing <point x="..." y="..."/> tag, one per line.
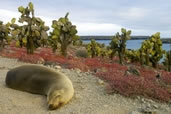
<point x="57" y="96"/>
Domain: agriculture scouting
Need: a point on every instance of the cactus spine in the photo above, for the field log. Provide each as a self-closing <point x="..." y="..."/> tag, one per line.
<point x="63" y="33"/>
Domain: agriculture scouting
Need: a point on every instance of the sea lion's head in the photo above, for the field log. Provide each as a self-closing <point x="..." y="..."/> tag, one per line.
<point x="55" y="99"/>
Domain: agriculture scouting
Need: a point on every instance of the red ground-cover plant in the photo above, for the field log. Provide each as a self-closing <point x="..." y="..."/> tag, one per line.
<point x="133" y="85"/>
<point x="146" y="84"/>
<point x="93" y="63"/>
<point x="166" y="77"/>
<point x="30" y="58"/>
<point x="77" y="63"/>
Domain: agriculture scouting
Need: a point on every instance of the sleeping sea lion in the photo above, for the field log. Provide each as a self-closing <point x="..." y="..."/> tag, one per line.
<point x="41" y="80"/>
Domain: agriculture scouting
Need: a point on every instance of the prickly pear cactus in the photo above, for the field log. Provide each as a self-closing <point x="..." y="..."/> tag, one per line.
<point x="132" y="55"/>
<point x="157" y="51"/>
<point x="113" y="46"/>
<point x="76" y="40"/>
<point x="167" y="60"/>
<point x="103" y="52"/>
<point x="152" y="50"/>
<point x="118" y="43"/>
<point x="63" y="33"/>
<point x="5" y="38"/>
<point x="93" y="48"/>
<point x="146" y="49"/>
<point x="33" y="33"/>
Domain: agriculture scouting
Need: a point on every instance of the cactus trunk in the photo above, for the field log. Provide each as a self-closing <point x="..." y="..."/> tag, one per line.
<point x="64" y="50"/>
<point x="93" y="54"/>
<point x="141" y="58"/>
<point x="169" y="61"/>
<point x="30" y="46"/>
<point x="120" y="58"/>
<point x="1" y="45"/>
<point x="169" y="67"/>
<point x="147" y="59"/>
<point x="154" y="64"/>
<point x="112" y="55"/>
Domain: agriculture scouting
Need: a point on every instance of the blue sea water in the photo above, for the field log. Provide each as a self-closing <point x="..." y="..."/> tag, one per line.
<point x="131" y="44"/>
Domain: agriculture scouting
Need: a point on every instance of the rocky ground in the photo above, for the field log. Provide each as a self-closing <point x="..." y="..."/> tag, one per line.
<point x="90" y="97"/>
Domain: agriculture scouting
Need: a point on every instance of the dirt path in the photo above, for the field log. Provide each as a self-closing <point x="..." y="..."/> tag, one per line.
<point x="90" y="97"/>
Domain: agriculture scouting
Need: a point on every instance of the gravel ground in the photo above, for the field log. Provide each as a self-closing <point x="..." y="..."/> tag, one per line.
<point x="89" y="98"/>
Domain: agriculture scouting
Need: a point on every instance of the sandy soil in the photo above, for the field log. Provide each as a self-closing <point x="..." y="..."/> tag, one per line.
<point x="90" y="97"/>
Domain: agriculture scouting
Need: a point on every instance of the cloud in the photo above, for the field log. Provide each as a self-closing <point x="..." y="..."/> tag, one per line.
<point x="101" y="17"/>
<point x="7" y="15"/>
<point x="84" y="28"/>
<point x="96" y="28"/>
<point x="133" y="13"/>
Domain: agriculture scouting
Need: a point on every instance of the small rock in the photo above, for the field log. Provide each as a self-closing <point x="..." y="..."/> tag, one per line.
<point x="158" y="76"/>
<point x="48" y="66"/>
<point x="150" y="101"/>
<point x="105" y="106"/>
<point x="95" y="70"/>
<point x="143" y="101"/>
<point x="155" y="106"/>
<point x="101" y="82"/>
<point x="138" y="97"/>
<point x="57" y="67"/>
<point x="41" y="61"/>
<point x="73" y="113"/>
<point x="127" y="73"/>
<point x="132" y="70"/>
<point x="78" y="96"/>
<point x="46" y="63"/>
<point x="148" y="111"/>
<point x="148" y="105"/>
<point x="80" y="75"/>
<point x="135" y="112"/>
<point x="78" y="70"/>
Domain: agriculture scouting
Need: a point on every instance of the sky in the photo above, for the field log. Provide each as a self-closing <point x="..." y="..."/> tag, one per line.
<point x="100" y="17"/>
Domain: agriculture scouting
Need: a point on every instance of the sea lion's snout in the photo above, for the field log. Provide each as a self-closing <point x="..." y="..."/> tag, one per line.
<point x="51" y="107"/>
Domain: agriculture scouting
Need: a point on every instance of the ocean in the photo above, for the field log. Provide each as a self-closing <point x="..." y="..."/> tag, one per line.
<point x="131" y="44"/>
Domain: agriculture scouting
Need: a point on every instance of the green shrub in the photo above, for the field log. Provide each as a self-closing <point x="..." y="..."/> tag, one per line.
<point x="82" y="53"/>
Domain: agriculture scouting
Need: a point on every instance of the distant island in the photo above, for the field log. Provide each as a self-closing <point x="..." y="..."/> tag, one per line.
<point x="164" y="40"/>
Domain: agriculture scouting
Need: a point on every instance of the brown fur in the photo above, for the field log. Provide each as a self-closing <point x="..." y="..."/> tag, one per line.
<point x="41" y="80"/>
